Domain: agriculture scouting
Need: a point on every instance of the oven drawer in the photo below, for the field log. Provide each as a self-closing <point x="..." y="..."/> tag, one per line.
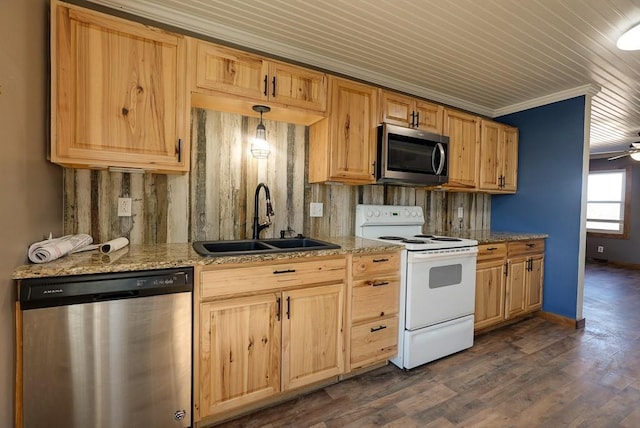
<point x="492" y="251"/>
<point x="374" y="341"/>
<point x="375" y="298"/>
<point x="372" y="264"/>
<point x="523" y="248"/>
<point x="233" y="279"/>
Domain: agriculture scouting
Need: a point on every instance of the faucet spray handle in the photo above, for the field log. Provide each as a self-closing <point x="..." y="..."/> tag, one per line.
<point x="269" y="209"/>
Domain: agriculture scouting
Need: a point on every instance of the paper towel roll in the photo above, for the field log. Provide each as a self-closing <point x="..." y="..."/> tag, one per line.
<point x="113" y="245"/>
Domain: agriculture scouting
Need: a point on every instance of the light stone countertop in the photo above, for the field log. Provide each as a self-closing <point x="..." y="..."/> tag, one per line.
<point x="163" y="256"/>
<point x="493" y="236"/>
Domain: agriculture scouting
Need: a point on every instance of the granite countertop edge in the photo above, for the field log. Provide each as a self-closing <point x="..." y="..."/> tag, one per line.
<point x="165" y="256"/>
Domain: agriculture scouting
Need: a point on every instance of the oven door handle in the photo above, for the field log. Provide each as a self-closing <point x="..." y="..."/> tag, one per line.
<point x="439" y="149"/>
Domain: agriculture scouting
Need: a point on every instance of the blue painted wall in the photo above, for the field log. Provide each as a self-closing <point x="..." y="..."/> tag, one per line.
<point x="550" y="163"/>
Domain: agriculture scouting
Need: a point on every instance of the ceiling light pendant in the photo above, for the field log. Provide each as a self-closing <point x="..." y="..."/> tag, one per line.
<point x="630" y="40"/>
<point x="259" y="146"/>
<point x="635" y="156"/>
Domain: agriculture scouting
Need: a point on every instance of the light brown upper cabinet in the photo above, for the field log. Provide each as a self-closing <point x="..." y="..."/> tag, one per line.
<point x="410" y="112"/>
<point x="342" y="146"/>
<point x="463" y="131"/>
<point x="498" y="158"/>
<point x="253" y="79"/>
<point x="118" y="93"/>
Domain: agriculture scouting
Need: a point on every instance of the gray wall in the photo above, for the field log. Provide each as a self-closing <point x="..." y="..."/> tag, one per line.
<point x="31" y="190"/>
<point x="620" y="250"/>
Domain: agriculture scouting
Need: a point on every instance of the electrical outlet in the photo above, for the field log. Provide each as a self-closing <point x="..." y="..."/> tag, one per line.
<point x="600" y="249"/>
<point x="124" y="207"/>
<point x="460" y="212"/>
<point x="315" y="209"/>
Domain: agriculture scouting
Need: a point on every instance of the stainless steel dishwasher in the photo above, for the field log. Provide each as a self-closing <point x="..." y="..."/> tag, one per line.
<point x="108" y="350"/>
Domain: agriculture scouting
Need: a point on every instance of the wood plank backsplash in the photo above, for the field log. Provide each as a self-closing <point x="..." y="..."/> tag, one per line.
<point x="215" y="200"/>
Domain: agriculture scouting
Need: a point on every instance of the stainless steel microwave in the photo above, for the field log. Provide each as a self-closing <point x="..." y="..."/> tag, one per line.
<point x="411" y="157"/>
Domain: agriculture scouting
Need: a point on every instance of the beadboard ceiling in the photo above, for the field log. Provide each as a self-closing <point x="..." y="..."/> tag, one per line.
<point x="491" y="57"/>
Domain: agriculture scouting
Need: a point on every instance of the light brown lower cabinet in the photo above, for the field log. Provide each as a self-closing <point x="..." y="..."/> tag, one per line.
<point x="252" y="347"/>
<point x="266" y="330"/>
<point x="509" y="281"/>
<point x="374" y="302"/>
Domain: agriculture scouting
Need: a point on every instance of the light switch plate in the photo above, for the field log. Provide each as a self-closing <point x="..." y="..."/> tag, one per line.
<point x="316" y="209"/>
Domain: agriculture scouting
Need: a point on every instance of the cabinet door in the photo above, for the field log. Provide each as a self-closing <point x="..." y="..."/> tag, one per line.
<point x="490" y="293"/>
<point x="508" y="154"/>
<point x="490" y="145"/>
<point x="396" y="109"/>
<point x="118" y="93"/>
<point x="353" y="131"/>
<point x="312" y="335"/>
<point x="239" y="352"/>
<point x="429" y="117"/>
<point x="231" y="71"/>
<point x="516" y="287"/>
<point x="464" y="136"/>
<point x="535" y="279"/>
<point x="298" y="87"/>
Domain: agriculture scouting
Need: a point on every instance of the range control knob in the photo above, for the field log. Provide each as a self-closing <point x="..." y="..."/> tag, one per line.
<point x="377" y="213"/>
<point x="413" y="214"/>
<point x="369" y="213"/>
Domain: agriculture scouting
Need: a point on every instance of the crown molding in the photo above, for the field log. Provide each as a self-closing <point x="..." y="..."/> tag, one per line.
<point x="227" y="35"/>
<point x="588" y="89"/>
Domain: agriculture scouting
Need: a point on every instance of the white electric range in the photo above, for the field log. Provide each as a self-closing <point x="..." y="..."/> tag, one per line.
<point x="437" y="289"/>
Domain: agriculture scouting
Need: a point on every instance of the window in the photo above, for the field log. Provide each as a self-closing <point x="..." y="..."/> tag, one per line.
<point x="607" y="201"/>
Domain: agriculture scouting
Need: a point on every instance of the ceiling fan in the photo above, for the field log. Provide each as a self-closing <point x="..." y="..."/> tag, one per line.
<point x="634" y="152"/>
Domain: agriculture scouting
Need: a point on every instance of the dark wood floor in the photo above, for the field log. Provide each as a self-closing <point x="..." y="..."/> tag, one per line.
<point x="532" y="374"/>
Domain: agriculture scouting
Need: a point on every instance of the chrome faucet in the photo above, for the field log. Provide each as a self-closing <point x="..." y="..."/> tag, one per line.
<point x="257" y="227"/>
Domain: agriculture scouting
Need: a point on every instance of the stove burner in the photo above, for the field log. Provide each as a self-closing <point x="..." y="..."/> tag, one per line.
<point x="445" y="239"/>
<point x="423" y="236"/>
<point x="413" y="241"/>
<point x="391" y="238"/>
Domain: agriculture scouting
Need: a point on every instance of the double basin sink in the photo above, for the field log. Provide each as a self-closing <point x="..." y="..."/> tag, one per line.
<point x="260" y="246"/>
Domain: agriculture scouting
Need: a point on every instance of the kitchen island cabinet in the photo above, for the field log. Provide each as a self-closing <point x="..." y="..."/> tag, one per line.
<point x="118" y="93"/>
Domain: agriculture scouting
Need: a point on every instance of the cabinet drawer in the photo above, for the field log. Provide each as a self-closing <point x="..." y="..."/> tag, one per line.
<point x="531" y="246"/>
<point x="374" y="341"/>
<point x="372" y="264"/>
<point x="235" y="279"/>
<point x="375" y="298"/>
<point x="492" y="251"/>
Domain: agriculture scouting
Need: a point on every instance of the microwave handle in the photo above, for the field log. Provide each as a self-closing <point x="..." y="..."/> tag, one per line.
<point x="439" y="147"/>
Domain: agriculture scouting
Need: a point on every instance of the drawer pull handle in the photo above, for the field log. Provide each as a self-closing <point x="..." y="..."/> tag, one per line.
<point x="374" y="329"/>
<point x="277" y="272"/>
<point x="380" y="260"/>
<point x="531" y="245"/>
<point x="492" y="248"/>
<point x="278" y="309"/>
<point x="378" y="283"/>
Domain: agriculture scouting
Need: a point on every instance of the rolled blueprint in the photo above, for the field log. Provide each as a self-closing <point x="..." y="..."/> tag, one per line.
<point x="114" y="245"/>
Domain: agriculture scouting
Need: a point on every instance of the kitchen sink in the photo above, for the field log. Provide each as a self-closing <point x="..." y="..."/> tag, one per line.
<point x="260" y="246"/>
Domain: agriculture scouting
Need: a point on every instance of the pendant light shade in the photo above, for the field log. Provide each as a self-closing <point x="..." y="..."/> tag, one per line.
<point x="259" y="146"/>
<point x="630" y="40"/>
<point x="635" y="156"/>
